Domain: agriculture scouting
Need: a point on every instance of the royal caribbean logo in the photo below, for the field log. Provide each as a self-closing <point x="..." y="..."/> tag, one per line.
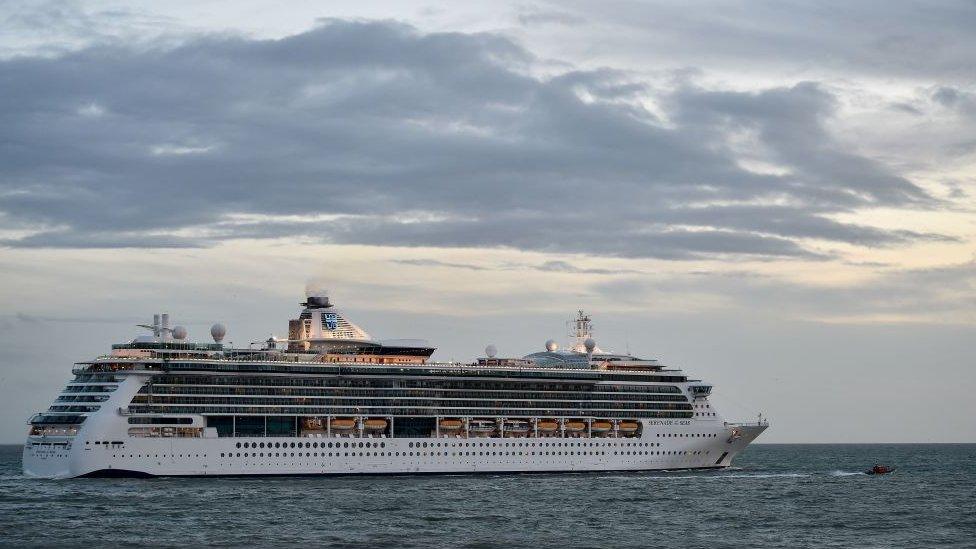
<point x="331" y="321"/>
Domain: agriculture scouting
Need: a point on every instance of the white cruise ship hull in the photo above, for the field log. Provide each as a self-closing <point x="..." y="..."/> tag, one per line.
<point x="695" y="446"/>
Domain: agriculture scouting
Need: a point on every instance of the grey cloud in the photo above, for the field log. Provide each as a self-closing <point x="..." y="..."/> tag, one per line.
<point x="530" y="18"/>
<point x="564" y="267"/>
<point x="437" y="263"/>
<point x="952" y="98"/>
<point x="548" y="266"/>
<point x="441" y="139"/>
<point x="914" y="39"/>
<point x="921" y="294"/>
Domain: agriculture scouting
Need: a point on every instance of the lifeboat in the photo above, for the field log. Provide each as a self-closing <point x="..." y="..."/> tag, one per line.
<point x="880" y="470"/>
<point x="312" y="424"/>
<point x="628" y="427"/>
<point x="547" y="425"/>
<point x="516" y="426"/>
<point x="451" y="425"/>
<point x="481" y="427"/>
<point x="601" y="426"/>
<point x="342" y="424"/>
<point x="575" y="426"/>
<point x="377" y="424"/>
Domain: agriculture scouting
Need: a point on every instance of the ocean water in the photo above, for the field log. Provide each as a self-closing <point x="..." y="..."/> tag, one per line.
<point x="776" y="496"/>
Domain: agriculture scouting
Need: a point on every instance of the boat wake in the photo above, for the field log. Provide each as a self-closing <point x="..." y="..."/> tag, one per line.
<point x="838" y="473"/>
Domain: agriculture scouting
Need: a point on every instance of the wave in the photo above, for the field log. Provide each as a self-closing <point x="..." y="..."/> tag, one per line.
<point x="838" y="473"/>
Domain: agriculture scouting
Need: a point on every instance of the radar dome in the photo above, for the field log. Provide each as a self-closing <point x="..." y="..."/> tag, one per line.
<point x="179" y="332"/>
<point x="218" y="331"/>
<point x="491" y="351"/>
<point x="551" y="345"/>
<point x="589" y="344"/>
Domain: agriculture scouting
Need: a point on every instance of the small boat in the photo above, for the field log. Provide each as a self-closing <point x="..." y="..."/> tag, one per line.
<point x="547" y="426"/>
<point x="628" y="427"/>
<point x="601" y="426"/>
<point x="451" y="425"/>
<point x="374" y="424"/>
<point x="342" y="424"/>
<point x="880" y="470"/>
<point x="575" y="426"/>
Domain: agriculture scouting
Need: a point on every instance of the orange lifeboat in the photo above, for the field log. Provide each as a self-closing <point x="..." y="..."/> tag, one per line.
<point x="377" y="424"/>
<point x="342" y="424"/>
<point x="601" y="426"/>
<point x="575" y="426"/>
<point x="628" y="427"/>
<point x="451" y="425"/>
<point x="547" y="425"/>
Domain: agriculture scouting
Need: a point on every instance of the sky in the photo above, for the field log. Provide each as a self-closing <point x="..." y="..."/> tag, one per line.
<point x="777" y="197"/>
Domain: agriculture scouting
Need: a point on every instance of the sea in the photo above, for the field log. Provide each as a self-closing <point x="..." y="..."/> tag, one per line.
<point x="790" y="496"/>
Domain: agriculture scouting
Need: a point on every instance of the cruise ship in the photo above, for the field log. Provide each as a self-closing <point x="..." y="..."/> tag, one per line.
<point x="330" y="399"/>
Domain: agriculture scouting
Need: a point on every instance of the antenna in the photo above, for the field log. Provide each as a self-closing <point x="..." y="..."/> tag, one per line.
<point x="580" y="329"/>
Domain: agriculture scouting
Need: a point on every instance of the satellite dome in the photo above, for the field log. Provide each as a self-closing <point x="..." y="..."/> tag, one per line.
<point x="491" y="351"/>
<point x="589" y="344"/>
<point x="551" y="345"/>
<point x="218" y="331"/>
<point x="179" y="332"/>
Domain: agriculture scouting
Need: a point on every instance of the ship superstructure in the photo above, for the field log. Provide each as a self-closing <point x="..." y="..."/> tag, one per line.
<point x="332" y="400"/>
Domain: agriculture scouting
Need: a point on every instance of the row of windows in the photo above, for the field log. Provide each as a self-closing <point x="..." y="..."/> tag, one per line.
<point x="425" y="454"/>
<point x="73" y="408"/>
<point x="96" y="378"/>
<point x="339" y="402"/>
<point x="397" y="383"/>
<point x="157" y="408"/>
<point x="82" y="398"/>
<point x="470" y="453"/>
<point x="412" y="371"/>
<point x="382" y="444"/>
<point x="90" y="388"/>
<point x="166" y="388"/>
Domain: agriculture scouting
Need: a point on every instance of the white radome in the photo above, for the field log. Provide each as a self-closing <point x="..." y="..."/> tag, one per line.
<point x="179" y="332"/>
<point x="218" y="331"/>
<point x="551" y="345"/>
<point x="491" y="351"/>
<point x="589" y="344"/>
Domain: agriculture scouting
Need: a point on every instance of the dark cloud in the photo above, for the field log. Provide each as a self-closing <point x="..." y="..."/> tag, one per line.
<point x="414" y="139"/>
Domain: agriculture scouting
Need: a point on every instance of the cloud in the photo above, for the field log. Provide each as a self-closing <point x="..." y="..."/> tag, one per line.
<point x="564" y="267"/>
<point x="554" y="266"/>
<point x="539" y="17"/>
<point x="438" y="263"/>
<point x="375" y="133"/>
<point x="909" y="39"/>
<point x="940" y="295"/>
